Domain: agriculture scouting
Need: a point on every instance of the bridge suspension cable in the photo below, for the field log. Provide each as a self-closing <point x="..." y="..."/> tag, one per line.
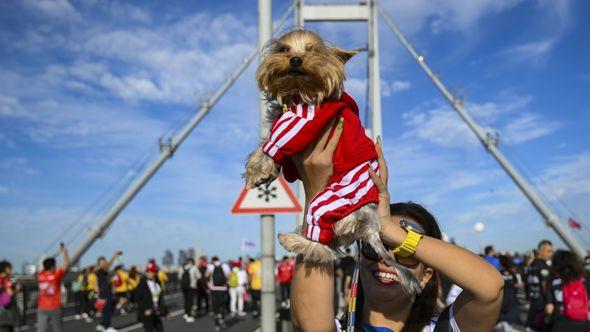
<point x="490" y="142"/>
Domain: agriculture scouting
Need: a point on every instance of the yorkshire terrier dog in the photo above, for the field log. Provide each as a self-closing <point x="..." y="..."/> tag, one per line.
<point x="302" y="79"/>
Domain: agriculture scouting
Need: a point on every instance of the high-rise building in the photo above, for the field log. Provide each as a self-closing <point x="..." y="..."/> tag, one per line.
<point x="191" y="253"/>
<point x="168" y="258"/>
<point x="182" y="256"/>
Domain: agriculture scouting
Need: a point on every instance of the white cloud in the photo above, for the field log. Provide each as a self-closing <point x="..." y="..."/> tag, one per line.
<point x="499" y="210"/>
<point x="493" y="111"/>
<point x="98" y="125"/>
<point x="11" y="107"/>
<point x="570" y="175"/>
<point x="127" y="11"/>
<point x="356" y="87"/>
<point x="399" y="86"/>
<point x="7" y="141"/>
<point x="559" y="11"/>
<point x="451" y="15"/>
<point x="442" y="126"/>
<point x="556" y="18"/>
<point x="61" y="9"/>
<point x="131" y="88"/>
<point x="429" y="175"/>
<point x="439" y="15"/>
<point x="18" y="164"/>
<point x="528" y="127"/>
<point x="531" y="52"/>
<point x="164" y="64"/>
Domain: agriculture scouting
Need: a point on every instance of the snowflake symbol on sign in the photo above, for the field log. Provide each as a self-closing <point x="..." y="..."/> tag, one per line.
<point x="267" y="193"/>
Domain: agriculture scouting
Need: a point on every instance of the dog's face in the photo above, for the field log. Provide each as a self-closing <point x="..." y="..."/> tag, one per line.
<point x="300" y="65"/>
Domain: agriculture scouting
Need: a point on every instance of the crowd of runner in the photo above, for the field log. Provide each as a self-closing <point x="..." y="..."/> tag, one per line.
<point x="556" y="285"/>
<point x="209" y="287"/>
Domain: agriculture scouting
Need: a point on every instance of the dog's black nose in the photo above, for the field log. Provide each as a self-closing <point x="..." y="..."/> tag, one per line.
<point x="296" y="62"/>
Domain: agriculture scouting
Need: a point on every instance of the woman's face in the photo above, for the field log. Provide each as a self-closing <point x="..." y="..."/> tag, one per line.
<point x="377" y="281"/>
<point x="149" y="275"/>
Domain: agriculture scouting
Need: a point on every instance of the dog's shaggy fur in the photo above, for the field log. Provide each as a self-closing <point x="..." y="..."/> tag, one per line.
<point x="318" y="76"/>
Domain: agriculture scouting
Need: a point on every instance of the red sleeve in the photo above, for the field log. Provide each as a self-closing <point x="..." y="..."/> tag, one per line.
<point x="60" y="273"/>
<point x="297" y="128"/>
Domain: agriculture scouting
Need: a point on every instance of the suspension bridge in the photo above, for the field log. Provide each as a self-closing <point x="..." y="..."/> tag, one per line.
<point x="372" y="14"/>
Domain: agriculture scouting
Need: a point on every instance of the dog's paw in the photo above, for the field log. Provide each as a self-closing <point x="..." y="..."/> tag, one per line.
<point x="260" y="169"/>
<point x="254" y="181"/>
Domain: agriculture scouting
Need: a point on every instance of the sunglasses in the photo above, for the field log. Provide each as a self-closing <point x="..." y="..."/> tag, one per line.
<point x="369" y="253"/>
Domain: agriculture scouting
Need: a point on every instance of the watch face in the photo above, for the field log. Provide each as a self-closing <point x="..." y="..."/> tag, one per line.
<point x="406" y="224"/>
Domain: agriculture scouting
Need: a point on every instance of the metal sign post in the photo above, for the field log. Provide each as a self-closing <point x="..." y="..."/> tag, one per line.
<point x="267" y="221"/>
<point x="268" y="297"/>
<point x="277" y="197"/>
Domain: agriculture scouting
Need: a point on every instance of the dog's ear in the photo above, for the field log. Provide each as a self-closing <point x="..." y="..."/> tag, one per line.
<point x="344" y="55"/>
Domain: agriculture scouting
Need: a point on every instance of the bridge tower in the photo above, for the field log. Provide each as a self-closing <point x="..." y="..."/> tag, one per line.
<point x="365" y="11"/>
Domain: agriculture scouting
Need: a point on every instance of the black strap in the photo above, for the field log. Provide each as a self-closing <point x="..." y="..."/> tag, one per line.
<point x="443" y="324"/>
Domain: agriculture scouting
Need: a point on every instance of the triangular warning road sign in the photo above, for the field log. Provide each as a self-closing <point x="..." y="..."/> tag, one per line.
<point x="274" y="198"/>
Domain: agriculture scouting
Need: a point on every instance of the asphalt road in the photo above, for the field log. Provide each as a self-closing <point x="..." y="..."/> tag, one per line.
<point x="129" y="323"/>
<point x="176" y="323"/>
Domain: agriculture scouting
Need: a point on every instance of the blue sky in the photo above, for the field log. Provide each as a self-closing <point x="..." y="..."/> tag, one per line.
<point x="88" y="87"/>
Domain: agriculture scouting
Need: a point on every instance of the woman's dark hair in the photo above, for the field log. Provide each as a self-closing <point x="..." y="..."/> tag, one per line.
<point x="424" y="307"/>
<point x="567" y="266"/>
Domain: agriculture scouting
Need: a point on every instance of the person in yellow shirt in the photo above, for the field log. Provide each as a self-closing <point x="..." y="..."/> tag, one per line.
<point x="255" y="275"/>
<point x="132" y="282"/>
<point x="89" y="287"/>
<point x="120" y="283"/>
<point x="163" y="277"/>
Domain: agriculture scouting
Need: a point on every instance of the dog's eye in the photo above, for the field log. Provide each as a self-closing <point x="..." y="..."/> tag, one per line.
<point x="284" y="49"/>
<point x="309" y="47"/>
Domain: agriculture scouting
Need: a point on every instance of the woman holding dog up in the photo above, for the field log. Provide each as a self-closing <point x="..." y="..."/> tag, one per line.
<point x="378" y="301"/>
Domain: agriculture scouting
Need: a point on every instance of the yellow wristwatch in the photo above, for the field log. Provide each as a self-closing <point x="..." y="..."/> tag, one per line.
<point x="410" y="243"/>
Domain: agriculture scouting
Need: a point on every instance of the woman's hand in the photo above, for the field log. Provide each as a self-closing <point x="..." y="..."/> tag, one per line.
<point x="148" y="312"/>
<point x="389" y="231"/>
<point x="380" y="182"/>
<point x="314" y="164"/>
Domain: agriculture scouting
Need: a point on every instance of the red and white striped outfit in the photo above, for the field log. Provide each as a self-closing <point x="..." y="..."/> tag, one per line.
<point x="350" y="187"/>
